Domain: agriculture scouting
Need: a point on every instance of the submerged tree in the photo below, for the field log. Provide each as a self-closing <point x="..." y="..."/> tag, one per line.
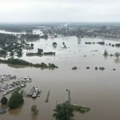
<point x="105" y="53"/>
<point x="117" y="55"/>
<point x="19" y="53"/>
<point x="63" y="111"/>
<point x="34" y="109"/>
<point x="11" y="53"/>
<point x="15" y="100"/>
<point x="4" y="101"/>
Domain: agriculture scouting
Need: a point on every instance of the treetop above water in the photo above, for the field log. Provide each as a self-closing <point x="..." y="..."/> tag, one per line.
<point x="13" y="61"/>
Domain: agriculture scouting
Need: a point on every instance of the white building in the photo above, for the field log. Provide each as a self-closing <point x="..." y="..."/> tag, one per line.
<point x="38" y="32"/>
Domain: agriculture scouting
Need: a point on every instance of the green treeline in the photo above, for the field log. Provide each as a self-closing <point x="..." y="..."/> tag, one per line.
<point x="13" y="61"/>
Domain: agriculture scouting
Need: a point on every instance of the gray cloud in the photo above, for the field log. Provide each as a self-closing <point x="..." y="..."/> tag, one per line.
<point x="59" y="10"/>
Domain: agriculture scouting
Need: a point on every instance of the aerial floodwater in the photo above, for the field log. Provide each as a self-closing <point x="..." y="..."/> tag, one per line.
<point x="92" y="78"/>
<point x="59" y="59"/>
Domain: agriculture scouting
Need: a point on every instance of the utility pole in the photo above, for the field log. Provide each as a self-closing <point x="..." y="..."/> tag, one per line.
<point x="69" y="99"/>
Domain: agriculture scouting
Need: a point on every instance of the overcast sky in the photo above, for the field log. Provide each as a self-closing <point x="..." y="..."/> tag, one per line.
<point x="59" y="11"/>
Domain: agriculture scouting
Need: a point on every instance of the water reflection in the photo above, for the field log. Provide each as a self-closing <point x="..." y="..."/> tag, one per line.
<point x="34" y="116"/>
<point x="105" y="57"/>
<point x="15" y="111"/>
<point x="117" y="60"/>
<point x="17" y="66"/>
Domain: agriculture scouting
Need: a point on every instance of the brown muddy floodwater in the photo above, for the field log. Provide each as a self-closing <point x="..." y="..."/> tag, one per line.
<point x="99" y="90"/>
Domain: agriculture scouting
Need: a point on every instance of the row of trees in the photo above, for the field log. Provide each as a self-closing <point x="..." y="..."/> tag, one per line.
<point x="117" y="54"/>
<point x="9" y="43"/>
<point x="62" y="111"/>
<point x="13" y="61"/>
<point x="6" y="38"/>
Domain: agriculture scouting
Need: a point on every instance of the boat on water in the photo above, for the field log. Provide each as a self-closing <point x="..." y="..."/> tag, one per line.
<point x="7" y="77"/>
<point x="2" y="111"/>
<point x="28" y="79"/>
<point x="34" y="92"/>
<point x="23" y="85"/>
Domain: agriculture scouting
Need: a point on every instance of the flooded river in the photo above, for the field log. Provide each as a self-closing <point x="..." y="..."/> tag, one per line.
<point x="96" y="89"/>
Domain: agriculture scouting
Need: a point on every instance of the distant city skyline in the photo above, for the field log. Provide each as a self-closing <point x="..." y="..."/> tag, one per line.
<point x="37" y="11"/>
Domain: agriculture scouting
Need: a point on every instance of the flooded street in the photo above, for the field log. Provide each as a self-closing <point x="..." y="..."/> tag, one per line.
<point x="96" y="89"/>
